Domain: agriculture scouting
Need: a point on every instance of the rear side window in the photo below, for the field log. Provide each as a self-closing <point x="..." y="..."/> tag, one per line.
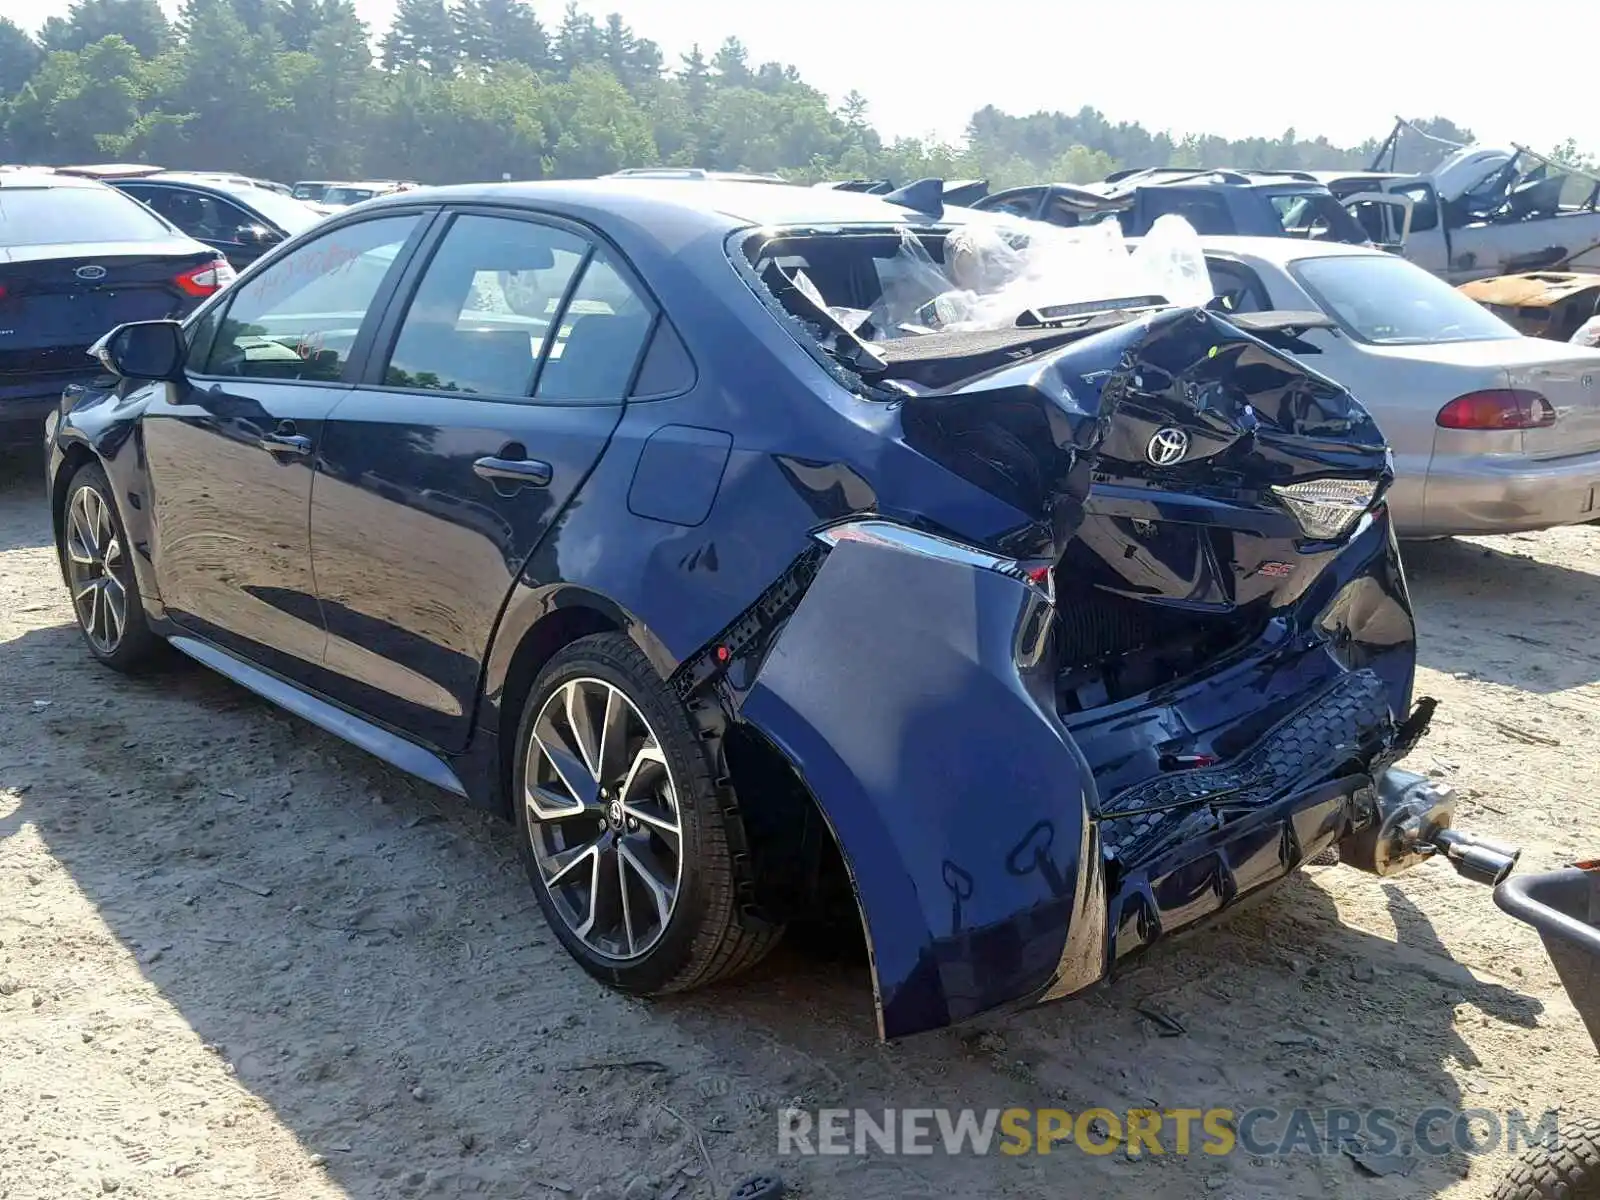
<point x="484" y="307"/>
<point x="603" y="331"/>
<point x="299" y="318"/>
<point x="196" y="213"/>
<point x="1237" y="287"/>
<point x="1208" y="213"/>
<point x="57" y="215"/>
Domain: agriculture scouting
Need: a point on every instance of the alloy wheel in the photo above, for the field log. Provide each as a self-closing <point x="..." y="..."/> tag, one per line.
<point x="97" y="570"/>
<point x="603" y="818"/>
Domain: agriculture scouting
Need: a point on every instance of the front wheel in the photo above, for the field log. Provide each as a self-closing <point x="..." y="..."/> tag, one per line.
<point x="623" y="828"/>
<point x="1569" y="1171"/>
<point x="98" y="565"/>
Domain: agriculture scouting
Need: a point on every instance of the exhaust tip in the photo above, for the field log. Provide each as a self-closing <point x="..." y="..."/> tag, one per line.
<point x="1483" y="865"/>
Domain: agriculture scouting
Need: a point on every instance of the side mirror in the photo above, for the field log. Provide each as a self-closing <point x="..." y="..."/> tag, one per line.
<point x="143" y="350"/>
<point x="254" y="235"/>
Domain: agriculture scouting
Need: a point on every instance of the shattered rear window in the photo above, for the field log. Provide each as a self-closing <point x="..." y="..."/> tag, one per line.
<point x="869" y="293"/>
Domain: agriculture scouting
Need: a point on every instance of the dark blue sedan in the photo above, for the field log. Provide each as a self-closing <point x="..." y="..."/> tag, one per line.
<point x="669" y="521"/>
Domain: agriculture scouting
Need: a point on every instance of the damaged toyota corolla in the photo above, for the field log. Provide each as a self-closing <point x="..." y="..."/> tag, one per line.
<point x="760" y="549"/>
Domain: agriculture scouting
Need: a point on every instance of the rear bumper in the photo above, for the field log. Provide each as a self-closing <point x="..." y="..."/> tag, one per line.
<point x="1505" y="494"/>
<point x="25" y="404"/>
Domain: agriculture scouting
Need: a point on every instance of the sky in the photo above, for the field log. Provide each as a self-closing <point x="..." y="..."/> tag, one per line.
<point x="1239" y="69"/>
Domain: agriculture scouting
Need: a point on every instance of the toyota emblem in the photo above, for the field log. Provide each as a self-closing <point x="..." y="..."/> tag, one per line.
<point x="1167" y="446"/>
<point x="90" y="272"/>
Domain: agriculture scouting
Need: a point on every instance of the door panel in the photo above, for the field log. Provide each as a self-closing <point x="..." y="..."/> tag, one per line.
<point x="441" y="474"/>
<point x="231" y="450"/>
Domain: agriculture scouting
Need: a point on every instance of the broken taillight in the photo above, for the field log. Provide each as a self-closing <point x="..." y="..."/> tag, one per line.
<point x="202" y="281"/>
<point x="1497" y="408"/>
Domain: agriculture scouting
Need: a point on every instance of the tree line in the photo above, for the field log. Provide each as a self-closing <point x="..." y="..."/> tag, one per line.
<point x="459" y="90"/>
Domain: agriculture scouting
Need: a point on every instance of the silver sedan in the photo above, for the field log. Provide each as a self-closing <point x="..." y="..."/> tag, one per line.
<point x="1492" y="432"/>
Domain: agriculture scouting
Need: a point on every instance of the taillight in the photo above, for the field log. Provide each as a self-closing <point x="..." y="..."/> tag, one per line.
<point x="1497" y="408"/>
<point x="202" y="281"/>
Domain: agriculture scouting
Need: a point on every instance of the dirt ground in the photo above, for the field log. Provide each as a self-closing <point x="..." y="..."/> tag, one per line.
<point x="238" y="958"/>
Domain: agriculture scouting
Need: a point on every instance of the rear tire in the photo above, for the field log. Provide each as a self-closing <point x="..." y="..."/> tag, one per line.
<point x="1571" y="1172"/>
<point x="624" y="828"/>
<point x="98" y="565"/>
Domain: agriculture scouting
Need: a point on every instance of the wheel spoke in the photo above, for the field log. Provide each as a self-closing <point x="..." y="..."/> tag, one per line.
<point x="581" y="719"/>
<point x="545" y="804"/>
<point x="114" y="598"/>
<point x="660" y="892"/>
<point x="82" y="529"/>
<point x="667" y="825"/>
<point x="627" y="909"/>
<point x="613" y="735"/>
<point x="103" y="532"/>
<point x="569" y="768"/>
<point x="647" y="761"/>
<point x="565" y="862"/>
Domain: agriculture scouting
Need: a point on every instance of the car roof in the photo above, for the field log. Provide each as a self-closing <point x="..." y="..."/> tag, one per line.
<point x="732" y="205"/>
<point x="44" y="177"/>
<point x="1281" y="251"/>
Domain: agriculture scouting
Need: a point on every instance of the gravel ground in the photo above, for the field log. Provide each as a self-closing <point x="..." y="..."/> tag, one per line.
<point x="238" y="958"/>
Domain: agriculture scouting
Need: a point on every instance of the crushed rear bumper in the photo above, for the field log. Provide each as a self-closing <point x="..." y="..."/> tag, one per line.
<point x="913" y="688"/>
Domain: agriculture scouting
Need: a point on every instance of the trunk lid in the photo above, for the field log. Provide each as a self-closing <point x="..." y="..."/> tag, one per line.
<point x="1567" y="376"/>
<point x="57" y="300"/>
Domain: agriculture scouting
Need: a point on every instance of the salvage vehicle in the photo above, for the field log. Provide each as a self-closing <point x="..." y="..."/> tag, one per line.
<point x="1025" y="647"/>
<point x="1491" y="431"/>
<point x="1214" y="202"/>
<point x="1484" y="211"/>
<point x="1551" y="304"/>
<point x="78" y="258"/>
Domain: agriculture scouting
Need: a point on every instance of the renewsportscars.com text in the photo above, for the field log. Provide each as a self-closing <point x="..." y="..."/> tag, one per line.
<point x="1259" y="1131"/>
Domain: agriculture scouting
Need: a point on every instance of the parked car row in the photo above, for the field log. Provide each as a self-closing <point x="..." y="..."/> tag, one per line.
<point x="79" y="258"/>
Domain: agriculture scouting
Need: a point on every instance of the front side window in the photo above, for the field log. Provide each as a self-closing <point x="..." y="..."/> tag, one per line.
<point x="484" y="307"/>
<point x="1383" y="299"/>
<point x="299" y="318"/>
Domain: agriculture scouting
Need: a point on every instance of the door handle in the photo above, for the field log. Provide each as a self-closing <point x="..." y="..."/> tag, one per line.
<point x="529" y="471"/>
<point x="285" y="443"/>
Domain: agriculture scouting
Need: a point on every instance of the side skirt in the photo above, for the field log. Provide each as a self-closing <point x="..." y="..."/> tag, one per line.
<point x="390" y="747"/>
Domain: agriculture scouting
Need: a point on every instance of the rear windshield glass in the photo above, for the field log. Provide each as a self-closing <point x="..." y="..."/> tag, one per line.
<point x="881" y="299"/>
<point x="344" y="195"/>
<point x="1383" y="299"/>
<point x="57" y="215"/>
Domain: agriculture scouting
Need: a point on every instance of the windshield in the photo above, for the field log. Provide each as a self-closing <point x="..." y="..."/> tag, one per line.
<point x="60" y="215"/>
<point x="1384" y="299"/>
<point x="347" y="195"/>
<point x="287" y="213"/>
<point x="310" y="191"/>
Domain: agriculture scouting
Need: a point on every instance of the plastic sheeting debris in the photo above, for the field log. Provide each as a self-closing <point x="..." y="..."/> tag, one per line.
<point x="994" y="272"/>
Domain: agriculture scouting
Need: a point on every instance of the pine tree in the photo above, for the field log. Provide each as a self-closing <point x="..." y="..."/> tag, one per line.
<point x="423" y="35"/>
